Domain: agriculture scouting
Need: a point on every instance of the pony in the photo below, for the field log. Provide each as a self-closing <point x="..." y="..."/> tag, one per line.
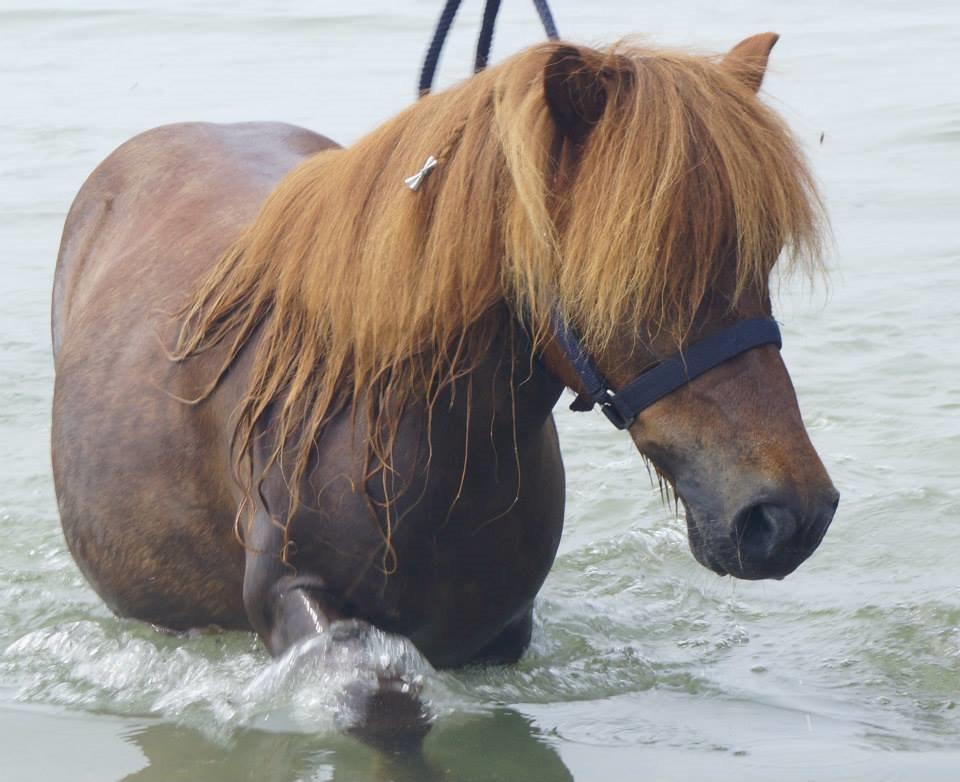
<point x="292" y="391"/>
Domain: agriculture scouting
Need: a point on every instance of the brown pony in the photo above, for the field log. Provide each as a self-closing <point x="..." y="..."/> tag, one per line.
<point x="290" y="390"/>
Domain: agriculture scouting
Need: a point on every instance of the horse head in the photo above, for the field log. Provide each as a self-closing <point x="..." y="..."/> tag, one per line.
<point x="720" y="191"/>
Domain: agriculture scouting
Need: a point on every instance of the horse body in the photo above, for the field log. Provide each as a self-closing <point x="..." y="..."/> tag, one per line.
<point x="144" y="481"/>
<point x="291" y="391"/>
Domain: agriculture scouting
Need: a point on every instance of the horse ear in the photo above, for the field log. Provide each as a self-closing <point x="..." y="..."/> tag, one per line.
<point x="748" y="59"/>
<point x="575" y="93"/>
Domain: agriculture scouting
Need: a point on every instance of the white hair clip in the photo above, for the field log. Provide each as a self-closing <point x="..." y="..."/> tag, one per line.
<point x="414" y="182"/>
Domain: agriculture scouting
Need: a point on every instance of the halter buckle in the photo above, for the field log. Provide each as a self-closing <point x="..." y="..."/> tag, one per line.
<point x="604" y="399"/>
<point x="613" y="414"/>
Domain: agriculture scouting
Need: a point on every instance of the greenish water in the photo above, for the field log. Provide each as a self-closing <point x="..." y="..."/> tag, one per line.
<point x="643" y="665"/>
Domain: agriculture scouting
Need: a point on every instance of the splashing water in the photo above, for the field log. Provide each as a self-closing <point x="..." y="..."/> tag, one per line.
<point x="846" y="669"/>
<point x="220" y="684"/>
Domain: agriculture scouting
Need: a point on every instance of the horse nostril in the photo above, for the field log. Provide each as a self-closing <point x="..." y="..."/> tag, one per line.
<point x="830" y="501"/>
<point x="820" y="521"/>
<point x="762" y="529"/>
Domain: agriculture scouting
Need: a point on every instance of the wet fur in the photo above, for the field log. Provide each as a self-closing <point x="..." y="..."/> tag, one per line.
<point x="257" y="330"/>
<point x="363" y="293"/>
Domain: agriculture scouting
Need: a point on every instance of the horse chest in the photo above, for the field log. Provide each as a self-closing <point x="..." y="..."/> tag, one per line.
<point x="456" y="564"/>
<point x="454" y="594"/>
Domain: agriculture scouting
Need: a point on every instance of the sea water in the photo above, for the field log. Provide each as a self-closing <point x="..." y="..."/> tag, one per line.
<point x="643" y="664"/>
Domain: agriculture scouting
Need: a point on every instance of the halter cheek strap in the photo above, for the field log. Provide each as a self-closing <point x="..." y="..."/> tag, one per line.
<point x="623" y="406"/>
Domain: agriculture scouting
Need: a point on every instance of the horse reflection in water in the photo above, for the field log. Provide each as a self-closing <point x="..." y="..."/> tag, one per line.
<point x="458" y="751"/>
<point x="292" y="391"/>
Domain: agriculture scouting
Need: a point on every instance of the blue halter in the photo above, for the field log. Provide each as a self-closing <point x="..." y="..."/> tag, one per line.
<point x="624" y="405"/>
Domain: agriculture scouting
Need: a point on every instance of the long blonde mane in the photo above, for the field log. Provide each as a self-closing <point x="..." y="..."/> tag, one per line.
<point x="364" y="293"/>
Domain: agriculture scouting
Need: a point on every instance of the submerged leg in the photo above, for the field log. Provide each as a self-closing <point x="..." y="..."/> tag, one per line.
<point x="287" y="609"/>
<point x="291" y="609"/>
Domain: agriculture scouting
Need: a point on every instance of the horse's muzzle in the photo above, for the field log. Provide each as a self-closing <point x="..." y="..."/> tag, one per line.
<point x="764" y="539"/>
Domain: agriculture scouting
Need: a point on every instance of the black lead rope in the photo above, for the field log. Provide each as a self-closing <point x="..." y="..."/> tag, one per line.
<point x="436" y="45"/>
<point x="547" y="19"/>
<point x="484" y="42"/>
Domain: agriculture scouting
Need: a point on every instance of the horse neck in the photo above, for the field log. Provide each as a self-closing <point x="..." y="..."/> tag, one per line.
<point x="510" y="391"/>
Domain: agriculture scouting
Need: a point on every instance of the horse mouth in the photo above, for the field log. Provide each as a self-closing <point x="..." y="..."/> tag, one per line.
<point x="701" y="552"/>
<point x="763" y="540"/>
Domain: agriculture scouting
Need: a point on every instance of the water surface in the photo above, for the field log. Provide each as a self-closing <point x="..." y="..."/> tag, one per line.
<point x="644" y="665"/>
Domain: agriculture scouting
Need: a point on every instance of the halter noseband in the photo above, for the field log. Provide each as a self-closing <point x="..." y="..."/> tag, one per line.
<point x="623" y="406"/>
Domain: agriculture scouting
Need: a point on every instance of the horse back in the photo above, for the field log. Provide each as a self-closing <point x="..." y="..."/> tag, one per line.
<point x="165" y="204"/>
